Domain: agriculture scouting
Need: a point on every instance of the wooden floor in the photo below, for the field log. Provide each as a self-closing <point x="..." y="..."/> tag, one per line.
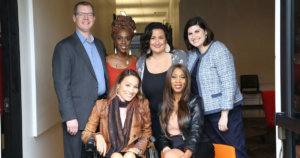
<point x="260" y="139"/>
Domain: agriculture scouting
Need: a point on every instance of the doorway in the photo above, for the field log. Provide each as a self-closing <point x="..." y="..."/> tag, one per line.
<point x="288" y="119"/>
<point x="11" y="120"/>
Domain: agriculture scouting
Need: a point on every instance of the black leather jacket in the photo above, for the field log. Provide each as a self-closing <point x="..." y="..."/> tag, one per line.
<point x="193" y="131"/>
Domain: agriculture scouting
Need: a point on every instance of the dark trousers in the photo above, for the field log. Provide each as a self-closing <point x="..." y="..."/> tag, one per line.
<point x="235" y="134"/>
<point x="73" y="145"/>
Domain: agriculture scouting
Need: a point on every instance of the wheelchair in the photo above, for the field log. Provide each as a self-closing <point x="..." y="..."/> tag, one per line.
<point x="92" y="152"/>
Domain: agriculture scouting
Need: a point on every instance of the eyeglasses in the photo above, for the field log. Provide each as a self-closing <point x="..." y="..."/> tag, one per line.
<point x="81" y="15"/>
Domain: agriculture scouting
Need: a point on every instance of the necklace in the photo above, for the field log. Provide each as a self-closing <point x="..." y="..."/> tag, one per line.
<point x="126" y="62"/>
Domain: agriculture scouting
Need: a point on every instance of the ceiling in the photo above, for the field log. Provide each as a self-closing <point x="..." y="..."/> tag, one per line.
<point x="144" y="11"/>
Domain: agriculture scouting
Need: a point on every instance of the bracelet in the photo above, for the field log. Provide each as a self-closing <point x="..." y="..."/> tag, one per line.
<point x="140" y="151"/>
<point x="164" y="149"/>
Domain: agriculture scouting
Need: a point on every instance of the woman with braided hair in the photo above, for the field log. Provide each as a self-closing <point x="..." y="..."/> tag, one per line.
<point x="122" y="33"/>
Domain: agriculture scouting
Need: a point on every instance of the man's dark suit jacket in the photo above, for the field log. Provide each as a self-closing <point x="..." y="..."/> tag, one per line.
<point x="74" y="78"/>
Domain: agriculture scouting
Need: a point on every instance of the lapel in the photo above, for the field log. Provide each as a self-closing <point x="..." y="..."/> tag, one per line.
<point x="79" y="49"/>
<point x="134" y="130"/>
<point x="104" y="125"/>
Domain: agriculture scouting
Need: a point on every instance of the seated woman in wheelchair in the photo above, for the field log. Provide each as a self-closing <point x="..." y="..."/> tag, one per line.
<point x="182" y="118"/>
<point x="123" y="118"/>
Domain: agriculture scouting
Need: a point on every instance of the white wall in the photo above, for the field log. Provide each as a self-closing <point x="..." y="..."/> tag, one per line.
<point x="279" y="145"/>
<point x="173" y="20"/>
<point x="104" y="10"/>
<point x="42" y="24"/>
<point x="245" y="27"/>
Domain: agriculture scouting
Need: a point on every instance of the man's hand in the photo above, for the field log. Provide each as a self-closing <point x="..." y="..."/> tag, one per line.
<point x="72" y="126"/>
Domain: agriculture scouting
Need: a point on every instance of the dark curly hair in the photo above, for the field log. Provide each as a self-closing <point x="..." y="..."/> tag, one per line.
<point x="145" y="39"/>
<point x="123" y="22"/>
<point x="200" y="22"/>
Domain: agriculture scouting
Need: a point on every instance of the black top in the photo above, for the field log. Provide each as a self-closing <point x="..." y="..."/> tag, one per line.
<point x="194" y="85"/>
<point x="153" y="87"/>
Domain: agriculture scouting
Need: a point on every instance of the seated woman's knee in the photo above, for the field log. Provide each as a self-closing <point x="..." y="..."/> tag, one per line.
<point x="173" y="153"/>
<point x="129" y="155"/>
<point x="116" y="155"/>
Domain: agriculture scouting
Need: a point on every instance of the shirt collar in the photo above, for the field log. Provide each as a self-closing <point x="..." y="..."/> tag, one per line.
<point x="84" y="39"/>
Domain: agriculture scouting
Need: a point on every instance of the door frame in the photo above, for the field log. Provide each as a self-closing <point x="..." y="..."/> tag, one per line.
<point x="285" y="116"/>
<point x="12" y="117"/>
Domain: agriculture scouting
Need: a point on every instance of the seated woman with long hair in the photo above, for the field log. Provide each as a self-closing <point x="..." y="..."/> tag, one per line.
<point x="123" y="119"/>
<point x="181" y="118"/>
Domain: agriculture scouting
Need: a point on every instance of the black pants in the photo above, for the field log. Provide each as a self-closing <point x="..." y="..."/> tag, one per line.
<point x="204" y="149"/>
<point x="73" y="146"/>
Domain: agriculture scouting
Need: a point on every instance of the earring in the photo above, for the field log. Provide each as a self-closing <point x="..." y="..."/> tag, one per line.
<point x="129" y="52"/>
<point x="148" y="51"/>
<point x="206" y="36"/>
<point x="167" y="49"/>
<point x="116" y="51"/>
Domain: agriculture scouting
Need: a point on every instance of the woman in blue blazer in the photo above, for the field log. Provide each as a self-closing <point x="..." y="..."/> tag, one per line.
<point x="214" y="79"/>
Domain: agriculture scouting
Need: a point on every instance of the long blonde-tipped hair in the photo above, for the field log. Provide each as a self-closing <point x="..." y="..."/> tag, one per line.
<point x="168" y="100"/>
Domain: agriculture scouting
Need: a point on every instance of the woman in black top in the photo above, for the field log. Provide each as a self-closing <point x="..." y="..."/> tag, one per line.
<point x="182" y="118"/>
<point x="158" y="57"/>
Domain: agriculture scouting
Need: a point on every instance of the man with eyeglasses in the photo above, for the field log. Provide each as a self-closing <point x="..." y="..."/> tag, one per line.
<point x="80" y="78"/>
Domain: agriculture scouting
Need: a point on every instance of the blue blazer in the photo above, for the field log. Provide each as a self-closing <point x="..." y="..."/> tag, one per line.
<point x="216" y="78"/>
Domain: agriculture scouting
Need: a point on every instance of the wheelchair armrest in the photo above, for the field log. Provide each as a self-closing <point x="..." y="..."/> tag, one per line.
<point x="152" y="139"/>
<point x="89" y="146"/>
<point x="151" y="152"/>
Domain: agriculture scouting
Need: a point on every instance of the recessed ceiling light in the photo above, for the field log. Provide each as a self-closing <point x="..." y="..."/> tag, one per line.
<point x="123" y="13"/>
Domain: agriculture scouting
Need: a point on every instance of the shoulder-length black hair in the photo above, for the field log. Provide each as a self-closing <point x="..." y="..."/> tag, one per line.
<point x="168" y="99"/>
<point x="197" y="21"/>
<point x="145" y="39"/>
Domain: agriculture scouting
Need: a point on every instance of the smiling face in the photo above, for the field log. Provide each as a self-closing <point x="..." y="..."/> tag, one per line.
<point x="178" y="81"/>
<point x="123" y="41"/>
<point x="128" y="88"/>
<point x="196" y="36"/>
<point x="84" y="18"/>
<point x="158" y="41"/>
